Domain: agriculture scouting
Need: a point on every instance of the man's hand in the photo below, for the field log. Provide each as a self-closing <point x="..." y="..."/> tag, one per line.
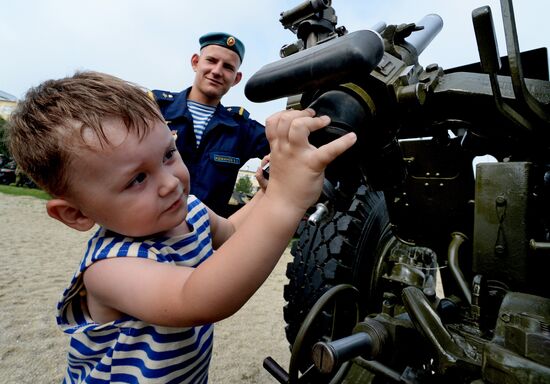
<point x="261" y="176"/>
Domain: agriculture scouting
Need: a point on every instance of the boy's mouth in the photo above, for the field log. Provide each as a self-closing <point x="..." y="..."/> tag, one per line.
<point x="177" y="204"/>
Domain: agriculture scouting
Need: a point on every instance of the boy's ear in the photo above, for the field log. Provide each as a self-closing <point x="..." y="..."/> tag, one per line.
<point x="69" y="214"/>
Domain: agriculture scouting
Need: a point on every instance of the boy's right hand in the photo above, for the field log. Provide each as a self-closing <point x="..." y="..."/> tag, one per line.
<point x="296" y="170"/>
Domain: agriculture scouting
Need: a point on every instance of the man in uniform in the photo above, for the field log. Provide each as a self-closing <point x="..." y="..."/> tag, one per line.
<point x="214" y="141"/>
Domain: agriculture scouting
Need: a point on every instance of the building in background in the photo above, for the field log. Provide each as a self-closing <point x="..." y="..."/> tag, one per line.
<point x="7" y="104"/>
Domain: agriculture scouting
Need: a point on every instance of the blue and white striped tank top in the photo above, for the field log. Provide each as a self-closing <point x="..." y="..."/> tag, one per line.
<point x="129" y="350"/>
<point x="202" y="114"/>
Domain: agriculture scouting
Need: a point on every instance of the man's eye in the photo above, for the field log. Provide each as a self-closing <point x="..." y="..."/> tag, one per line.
<point x="140" y="178"/>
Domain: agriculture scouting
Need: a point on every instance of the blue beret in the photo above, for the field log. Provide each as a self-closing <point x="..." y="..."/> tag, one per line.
<point x="223" y="40"/>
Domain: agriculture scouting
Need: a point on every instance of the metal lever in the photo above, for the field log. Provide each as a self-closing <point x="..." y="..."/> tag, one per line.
<point x="275" y="370"/>
<point x="486" y="39"/>
<point x="520" y="89"/>
<point x="490" y="62"/>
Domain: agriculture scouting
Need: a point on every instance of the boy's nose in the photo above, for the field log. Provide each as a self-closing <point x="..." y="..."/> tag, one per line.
<point x="168" y="184"/>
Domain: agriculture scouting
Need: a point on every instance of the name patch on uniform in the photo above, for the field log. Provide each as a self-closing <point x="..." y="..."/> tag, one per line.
<point x="225" y="159"/>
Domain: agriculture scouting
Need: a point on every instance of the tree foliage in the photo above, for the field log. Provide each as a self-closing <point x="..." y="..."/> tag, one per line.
<point x="244" y="185"/>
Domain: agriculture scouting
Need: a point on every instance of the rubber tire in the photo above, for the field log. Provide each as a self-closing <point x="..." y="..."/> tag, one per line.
<point x="344" y="250"/>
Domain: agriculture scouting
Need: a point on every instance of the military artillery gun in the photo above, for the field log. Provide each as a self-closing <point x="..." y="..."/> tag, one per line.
<point x="413" y="268"/>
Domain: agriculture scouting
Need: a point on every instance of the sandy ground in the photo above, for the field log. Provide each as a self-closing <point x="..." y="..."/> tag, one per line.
<point x="38" y="256"/>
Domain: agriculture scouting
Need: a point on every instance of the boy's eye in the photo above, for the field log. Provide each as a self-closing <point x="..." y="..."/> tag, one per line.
<point x="170" y="154"/>
<point x="140" y="178"/>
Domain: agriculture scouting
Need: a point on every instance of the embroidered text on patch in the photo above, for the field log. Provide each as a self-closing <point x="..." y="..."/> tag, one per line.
<point x="227" y="159"/>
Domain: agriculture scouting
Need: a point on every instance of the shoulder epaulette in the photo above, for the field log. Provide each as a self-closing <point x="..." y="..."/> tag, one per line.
<point x="238" y="111"/>
<point x="162" y="96"/>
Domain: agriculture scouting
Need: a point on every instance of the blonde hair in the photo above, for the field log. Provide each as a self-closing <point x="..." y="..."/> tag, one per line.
<point x="51" y="120"/>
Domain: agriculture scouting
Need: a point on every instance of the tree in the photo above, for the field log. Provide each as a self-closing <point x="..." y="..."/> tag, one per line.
<point x="244" y="185"/>
<point x="3" y="146"/>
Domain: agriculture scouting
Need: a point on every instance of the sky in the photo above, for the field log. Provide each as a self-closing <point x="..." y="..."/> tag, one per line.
<point x="151" y="42"/>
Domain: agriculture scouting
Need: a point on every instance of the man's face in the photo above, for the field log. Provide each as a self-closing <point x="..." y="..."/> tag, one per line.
<point x="216" y="71"/>
<point x="135" y="187"/>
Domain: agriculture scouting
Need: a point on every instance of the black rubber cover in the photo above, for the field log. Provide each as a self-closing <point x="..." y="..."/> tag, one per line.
<point x="327" y="64"/>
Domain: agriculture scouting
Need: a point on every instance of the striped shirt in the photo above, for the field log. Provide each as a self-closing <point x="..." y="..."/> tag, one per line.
<point x="201" y="116"/>
<point x="129" y="350"/>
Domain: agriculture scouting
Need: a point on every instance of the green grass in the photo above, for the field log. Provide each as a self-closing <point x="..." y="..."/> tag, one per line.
<point x="17" y="191"/>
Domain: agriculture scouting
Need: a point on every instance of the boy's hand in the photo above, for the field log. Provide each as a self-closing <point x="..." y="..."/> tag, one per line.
<point x="297" y="167"/>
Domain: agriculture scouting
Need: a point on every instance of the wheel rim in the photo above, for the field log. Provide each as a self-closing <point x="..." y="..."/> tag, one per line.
<point x="329" y="296"/>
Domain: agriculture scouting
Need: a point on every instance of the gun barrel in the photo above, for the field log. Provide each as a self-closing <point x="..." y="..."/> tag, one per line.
<point x="379" y="27"/>
<point x="432" y="24"/>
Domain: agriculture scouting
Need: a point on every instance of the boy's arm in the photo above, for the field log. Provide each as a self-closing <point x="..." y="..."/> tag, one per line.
<point x="222" y="228"/>
<point x="181" y="296"/>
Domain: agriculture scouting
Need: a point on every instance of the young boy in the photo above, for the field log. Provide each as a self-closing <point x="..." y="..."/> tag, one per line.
<point x="141" y="305"/>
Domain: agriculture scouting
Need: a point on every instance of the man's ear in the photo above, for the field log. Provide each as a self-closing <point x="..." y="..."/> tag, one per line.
<point x="194" y="61"/>
<point x="69" y="214"/>
<point x="238" y="78"/>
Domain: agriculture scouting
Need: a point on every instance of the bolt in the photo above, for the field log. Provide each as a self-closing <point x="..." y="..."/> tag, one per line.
<point x="432" y="67"/>
<point x="500" y="200"/>
<point x="499" y="249"/>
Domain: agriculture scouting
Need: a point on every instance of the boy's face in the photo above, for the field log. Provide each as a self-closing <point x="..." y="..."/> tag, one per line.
<point x="135" y="188"/>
